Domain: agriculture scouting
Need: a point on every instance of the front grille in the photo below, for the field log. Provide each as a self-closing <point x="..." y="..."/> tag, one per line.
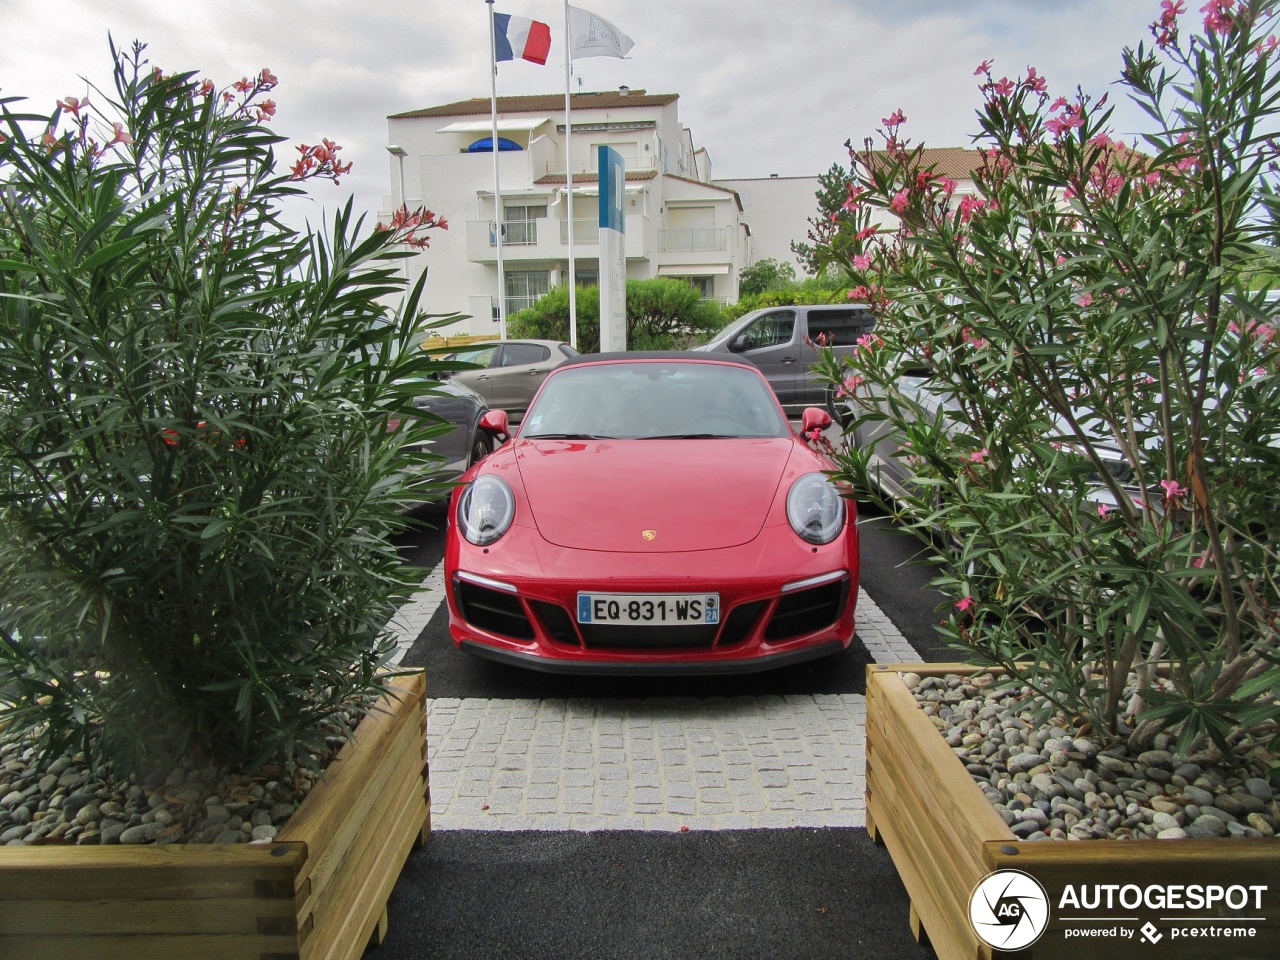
<point x="492" y="610"/>
<point x="628" y="635"/>
<point x="556" y="619"/>
<point x="738" y="626"/>
<point x="807" y="610"/>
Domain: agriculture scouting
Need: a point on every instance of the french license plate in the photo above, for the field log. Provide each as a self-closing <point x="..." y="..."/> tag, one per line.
<point x="649" y="609"/>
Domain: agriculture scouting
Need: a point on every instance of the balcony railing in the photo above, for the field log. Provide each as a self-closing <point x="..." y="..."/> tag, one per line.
<point x="684" y="241"/>
<point x="590" y="166"/>
<point x="584" y="230"/>
<point x="516" y="233"/>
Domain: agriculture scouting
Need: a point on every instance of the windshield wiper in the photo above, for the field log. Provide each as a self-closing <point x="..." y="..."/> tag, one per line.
<point x="692" y="436"/>
<point x="567" y="436"/>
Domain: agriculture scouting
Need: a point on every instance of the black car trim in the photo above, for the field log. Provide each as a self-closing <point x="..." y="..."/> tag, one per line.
<point x="653" y="668"/>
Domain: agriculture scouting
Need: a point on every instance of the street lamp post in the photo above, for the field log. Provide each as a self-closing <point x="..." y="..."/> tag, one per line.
<point x="400" y="153"/>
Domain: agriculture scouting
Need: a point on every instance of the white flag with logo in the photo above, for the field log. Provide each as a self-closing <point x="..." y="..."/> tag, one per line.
<point x="593" y="36"/>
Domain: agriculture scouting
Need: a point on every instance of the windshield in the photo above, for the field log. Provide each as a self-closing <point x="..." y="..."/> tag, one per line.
<point x="655" y="399"/>
<point x="733" y="329"/>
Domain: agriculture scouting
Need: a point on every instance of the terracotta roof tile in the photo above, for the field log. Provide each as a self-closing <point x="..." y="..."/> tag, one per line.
<point x="543" y="103"/>
<point x="553" y="179"/>
<point x="955" y="162"/>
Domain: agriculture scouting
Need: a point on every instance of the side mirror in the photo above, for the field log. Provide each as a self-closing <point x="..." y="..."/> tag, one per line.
<point x="738" y="343"/>
<point x="496" y="422"/>
<point x="814" y="418"/>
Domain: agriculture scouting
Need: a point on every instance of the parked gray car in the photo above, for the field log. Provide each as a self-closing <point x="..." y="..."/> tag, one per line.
<point x="513" y="370"/>
<point x="783" y="342"/>
<point x="465" y="444"/>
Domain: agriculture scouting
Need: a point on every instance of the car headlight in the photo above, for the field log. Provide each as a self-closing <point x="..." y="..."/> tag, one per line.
<point x="815" y="508"/>
<point x="486" y="510"/>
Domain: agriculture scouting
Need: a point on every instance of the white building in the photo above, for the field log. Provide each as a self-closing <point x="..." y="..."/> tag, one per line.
<point x="777" y="209"/>
<point x="678" y="223"/>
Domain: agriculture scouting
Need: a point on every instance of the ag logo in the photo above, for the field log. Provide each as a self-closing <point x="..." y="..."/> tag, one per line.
<point x="1009" y="910"/>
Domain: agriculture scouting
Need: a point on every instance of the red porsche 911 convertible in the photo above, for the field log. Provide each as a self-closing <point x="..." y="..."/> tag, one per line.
<point x="655" y="513"/>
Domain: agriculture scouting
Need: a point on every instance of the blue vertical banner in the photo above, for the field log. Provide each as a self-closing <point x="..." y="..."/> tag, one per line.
<point x="613" y="254"/>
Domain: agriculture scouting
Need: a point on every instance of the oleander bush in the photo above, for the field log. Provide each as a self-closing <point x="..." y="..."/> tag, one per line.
<point x="1081" y="370"/>
<point x="202" y="423"/>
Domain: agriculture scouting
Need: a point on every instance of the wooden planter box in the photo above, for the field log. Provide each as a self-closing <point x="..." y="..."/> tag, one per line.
<point x="945" y="836"/>
<point x="318" y="891"/>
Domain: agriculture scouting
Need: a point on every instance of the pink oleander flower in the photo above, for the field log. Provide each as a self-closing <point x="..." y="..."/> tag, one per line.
<point x="869" y="341"/>
<point x="1103" y="510"/>
<point x="983" y="67"/>
<point x="948" y="186"/>
<point x="849" y="386"/>
<point x="1057" y="104"/>
<point x="866" y="232"/>
<point x="1003" y="87"/>
<point x="965" y="605"/>
<point x="969" y="205"/>
<point x="206" y="88"/>
<point x="901" y="200"/>
<point x="861" y="262"/>
<point x="979" y="456"/>
<point x="1035" y="82"/>
<point x="267" y="79"/>
<point x="1219" y="16"/>
<point x="1173" y="491"/>
<point x="74" y="105"/>
<point x="121" y="136"/>
<point x="1085" y="299"/>
<point x="895" y="119"/>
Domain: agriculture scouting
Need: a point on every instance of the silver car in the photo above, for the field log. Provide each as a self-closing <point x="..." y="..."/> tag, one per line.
<point x="784" y="341"/>
<point x="513" y="370"/>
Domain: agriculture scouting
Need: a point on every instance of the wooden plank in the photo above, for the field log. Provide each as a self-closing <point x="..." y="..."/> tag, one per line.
<point x="344" y="937"/>
<point x="927" y="809"/>
<point x="349" y="859"/>
<point x="160" y="947"/>
<point x="345" y="914"/>
<point x="350" y="787"/>
<point x="253" y="901"/>
<point x="353" y="857"/>
<point x="379" y="934"/>
<point x="124" y="916"/>
<point x="164" y="872"/>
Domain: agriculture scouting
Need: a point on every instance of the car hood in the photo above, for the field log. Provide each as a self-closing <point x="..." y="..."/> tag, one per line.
<point x="688" y="494"/>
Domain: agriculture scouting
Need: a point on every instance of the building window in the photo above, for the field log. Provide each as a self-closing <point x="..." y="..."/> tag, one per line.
<point x="520" y="224"/>
<point x="704" y="285"/>
<point x="524" y="289"/>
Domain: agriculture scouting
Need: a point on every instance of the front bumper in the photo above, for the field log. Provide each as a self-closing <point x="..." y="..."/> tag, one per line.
<point x="782" y="602"/>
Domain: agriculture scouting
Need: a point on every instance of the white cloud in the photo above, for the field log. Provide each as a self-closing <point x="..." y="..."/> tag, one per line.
<point x="765" y="87"/>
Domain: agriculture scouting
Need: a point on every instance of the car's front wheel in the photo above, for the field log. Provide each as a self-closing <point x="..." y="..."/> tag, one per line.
<point x="479" y="450"/>
<point x="834" y="406"/>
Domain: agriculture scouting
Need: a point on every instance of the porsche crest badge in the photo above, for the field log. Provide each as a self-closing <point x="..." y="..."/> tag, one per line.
<point x="649" y="534"/>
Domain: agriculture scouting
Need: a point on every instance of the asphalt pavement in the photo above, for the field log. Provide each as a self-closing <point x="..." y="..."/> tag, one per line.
<point x="808" y="891"/>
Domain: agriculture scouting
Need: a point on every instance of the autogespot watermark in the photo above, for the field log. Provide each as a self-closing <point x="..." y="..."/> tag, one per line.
<point x="1010" y="910"/>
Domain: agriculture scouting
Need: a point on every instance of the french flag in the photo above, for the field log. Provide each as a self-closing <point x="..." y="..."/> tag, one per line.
<point x="518" y="37"/>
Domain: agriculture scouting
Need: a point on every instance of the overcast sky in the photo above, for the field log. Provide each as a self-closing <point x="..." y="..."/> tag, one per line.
<point x="765" y="86"/>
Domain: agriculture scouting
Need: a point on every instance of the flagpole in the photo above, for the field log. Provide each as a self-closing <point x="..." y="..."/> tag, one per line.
<point x="497" y="190"/>
<point x="568" y="170"/>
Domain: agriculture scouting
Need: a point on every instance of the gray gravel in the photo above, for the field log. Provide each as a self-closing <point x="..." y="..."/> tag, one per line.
<point x="68" y="800"/>
<point x="1049" y="783"/>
